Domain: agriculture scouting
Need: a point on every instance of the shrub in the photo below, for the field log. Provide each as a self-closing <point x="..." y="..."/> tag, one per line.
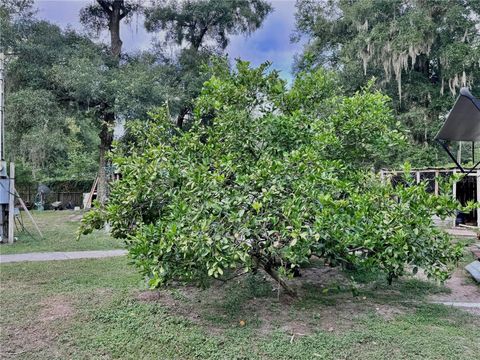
<point x="268" y="178"/>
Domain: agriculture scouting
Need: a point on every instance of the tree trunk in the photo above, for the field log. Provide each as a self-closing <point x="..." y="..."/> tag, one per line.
<point x="114" y="27"/>
<point x="274" y="274"/>
<point x="267" y="266"/>
<point x="115" y="12"/>
<point x="181" y="117"/>
<point x="106" y="139"/>
<point x="196" y="42"/>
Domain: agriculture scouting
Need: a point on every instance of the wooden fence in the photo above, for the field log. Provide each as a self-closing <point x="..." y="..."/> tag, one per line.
<point x="76" y="198"/>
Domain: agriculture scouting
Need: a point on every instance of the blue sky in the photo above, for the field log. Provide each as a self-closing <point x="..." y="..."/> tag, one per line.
<point x="271" y="42"/>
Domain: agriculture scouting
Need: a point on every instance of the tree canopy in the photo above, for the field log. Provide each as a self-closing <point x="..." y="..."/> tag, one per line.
<point x="260" y="182"/>
<point x="201" y="29"/>
<point x="57" y="84"/>
<point x="205" y="21"/>
<point x="60" y="78"/>
<point x="419" y="51"/>
<point x="46" y="132"/>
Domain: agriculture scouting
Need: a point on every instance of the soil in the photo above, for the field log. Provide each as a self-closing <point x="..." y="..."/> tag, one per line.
<point x="463" y="289"/>
<point x="75" y="217"/>
<point x="314" y="309"/>
<point x="37" y="334"/>
<point x="296" y="317"/>
<point x="55" y="308"/>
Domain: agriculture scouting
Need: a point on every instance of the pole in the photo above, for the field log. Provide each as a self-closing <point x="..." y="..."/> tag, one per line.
<point x="2" y="110"/>
<point x="445" y="147"/>
<point x="28" y="213"/>
<point x="459" y="152"/>
<point x="3" y="165"/>
<point x="11" y="204"/>
<point x="478" y="197"/>
<point x="473" y="152"/>
<point x="477" y="188"/>
<point x="454" y="194"/>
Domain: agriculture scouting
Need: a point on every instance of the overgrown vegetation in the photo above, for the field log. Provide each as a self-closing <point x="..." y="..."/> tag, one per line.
<point x="233" y="180"/>
<point x="269" y="178"/>
<point x="67" y="91"/>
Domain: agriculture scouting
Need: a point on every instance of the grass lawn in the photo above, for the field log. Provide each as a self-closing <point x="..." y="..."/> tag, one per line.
<point x="58" y="228"/>
<point x="99" y="309"/>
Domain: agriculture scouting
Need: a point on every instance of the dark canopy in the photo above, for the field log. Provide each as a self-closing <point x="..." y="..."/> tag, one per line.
<point x="463" y="121"/>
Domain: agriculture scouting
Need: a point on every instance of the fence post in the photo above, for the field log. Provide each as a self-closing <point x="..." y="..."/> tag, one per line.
<point x="478" y="197"/>
<point x="454" y="193"/>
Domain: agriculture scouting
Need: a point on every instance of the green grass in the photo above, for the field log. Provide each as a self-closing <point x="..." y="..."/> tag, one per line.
<point x="59" y="230"/>
<point x="91" y="309"/>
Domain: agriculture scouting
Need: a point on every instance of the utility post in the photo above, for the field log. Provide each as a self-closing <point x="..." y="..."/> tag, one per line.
<point x="5" y="198"/>
<point x="3" y="167"/>
<point x="11" y="204"/>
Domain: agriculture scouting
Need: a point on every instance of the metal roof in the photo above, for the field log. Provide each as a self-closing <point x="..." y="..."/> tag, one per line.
<point x="463" y="121"/>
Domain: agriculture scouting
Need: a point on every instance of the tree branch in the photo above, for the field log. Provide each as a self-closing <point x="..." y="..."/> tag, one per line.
<point x="198" y="40"/>
<point x="124" y="12"/>
<point x="267" y="266"/>
<point x="105" y="6"/>
<point x="274" y="274"/>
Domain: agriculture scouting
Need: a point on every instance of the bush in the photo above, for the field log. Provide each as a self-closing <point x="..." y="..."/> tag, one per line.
<point x="268" y="178"/>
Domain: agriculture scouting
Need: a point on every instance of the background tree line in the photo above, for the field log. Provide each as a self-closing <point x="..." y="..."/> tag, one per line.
<point x="67" y="90"/>
<point x="419" y="51"/>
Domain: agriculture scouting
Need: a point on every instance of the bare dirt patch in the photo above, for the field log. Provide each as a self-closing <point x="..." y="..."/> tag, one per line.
<point x="463" y="290"/>
<point x="185" y="302"/>
<point x="388" y="312"/>
<point x="55" y="308"/>
<point x="37" y="334"/>
<point x="321" y="304"/>
<point x="75" y="217"/>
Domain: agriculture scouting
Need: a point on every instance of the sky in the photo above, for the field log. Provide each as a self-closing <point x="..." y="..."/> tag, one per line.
<point x="271" y="42"/>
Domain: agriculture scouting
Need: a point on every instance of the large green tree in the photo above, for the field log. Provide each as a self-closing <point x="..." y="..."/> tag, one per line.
<point x="13" y="14"/>
<point x="58" y="83"/>
<point x="269" y="178"/>
<point x="107" y="15"/>
<point x="202" y="28"/>
<point x="46" y="132"/>
<point x="420" y="51"/>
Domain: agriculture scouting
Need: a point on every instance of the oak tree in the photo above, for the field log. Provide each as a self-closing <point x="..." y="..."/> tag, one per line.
<point x="202" y="28"/>
<point x="420" y="52"/>
<point x="107" y="14"/>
